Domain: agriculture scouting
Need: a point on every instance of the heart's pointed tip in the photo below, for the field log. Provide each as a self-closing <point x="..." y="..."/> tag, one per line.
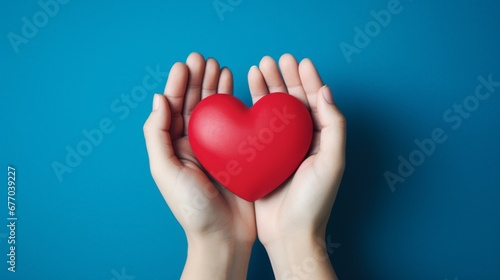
<point x="244" y="155"/>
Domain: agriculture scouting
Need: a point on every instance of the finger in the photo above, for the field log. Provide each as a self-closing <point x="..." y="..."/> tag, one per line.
<point x="174" y="92"/>
<point x="272" y="75"/>
<point x="257" y="84"/>
<point x="225" y="81"/>
<point x="162" y="160"/>
<point x="311" y="82"/>
<point x="331" y="155"/>
<point x="290" y="71"/>
<point x="196" y="66"/>
<point x="210" y="78"/>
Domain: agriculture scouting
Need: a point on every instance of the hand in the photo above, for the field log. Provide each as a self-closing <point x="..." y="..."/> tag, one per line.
<point x="220" y="227"/>
<point x="292" y="219"/>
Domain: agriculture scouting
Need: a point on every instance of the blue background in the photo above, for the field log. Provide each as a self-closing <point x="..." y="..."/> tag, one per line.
<point x="107" y="220"/>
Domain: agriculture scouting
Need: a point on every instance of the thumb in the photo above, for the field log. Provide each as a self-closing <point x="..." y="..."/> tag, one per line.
<point x="331" y="154"/>
<point x="162" y="159"/>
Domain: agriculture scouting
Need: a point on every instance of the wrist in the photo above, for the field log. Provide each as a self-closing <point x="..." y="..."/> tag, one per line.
<point x="302" y="256"/>
<point x="212" y="257"/>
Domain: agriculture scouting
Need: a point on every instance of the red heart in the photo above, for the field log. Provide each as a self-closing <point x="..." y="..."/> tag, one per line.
<point x="250" y="151"/>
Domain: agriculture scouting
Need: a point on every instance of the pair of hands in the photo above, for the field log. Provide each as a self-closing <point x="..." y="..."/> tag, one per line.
<point x="221" y="227"/>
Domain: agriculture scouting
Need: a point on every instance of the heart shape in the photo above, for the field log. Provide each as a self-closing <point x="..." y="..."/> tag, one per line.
<point x="250" y="151"/>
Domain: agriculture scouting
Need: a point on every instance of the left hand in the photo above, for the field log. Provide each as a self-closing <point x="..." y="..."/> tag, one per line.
<point x="292" y="218"/>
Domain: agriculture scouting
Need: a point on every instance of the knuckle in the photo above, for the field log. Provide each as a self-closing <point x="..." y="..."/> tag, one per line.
<point x="147" y="129"/>
<point x="341" y="120"/>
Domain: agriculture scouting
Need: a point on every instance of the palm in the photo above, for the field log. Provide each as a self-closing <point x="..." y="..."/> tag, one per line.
<point x="209" y="207"/>
<point x="308" y="193"/>
<point x="199" y="204"/>
<point x="282" y="210"/>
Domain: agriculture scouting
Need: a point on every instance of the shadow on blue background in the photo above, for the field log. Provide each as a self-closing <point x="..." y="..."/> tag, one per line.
<point x="106" y="220"/>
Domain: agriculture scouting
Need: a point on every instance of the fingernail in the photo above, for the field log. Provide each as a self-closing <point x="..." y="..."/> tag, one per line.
<point x="327" y="94"/>
<point x="253" y="66"/>
<point x="156" y="101"/>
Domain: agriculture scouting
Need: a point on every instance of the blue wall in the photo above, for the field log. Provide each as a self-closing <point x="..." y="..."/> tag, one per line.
<point x="407" y="80"/>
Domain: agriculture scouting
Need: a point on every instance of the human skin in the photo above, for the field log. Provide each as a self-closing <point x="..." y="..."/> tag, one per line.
<point x="292" y="220"/>
<point x="221" y="227"/>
